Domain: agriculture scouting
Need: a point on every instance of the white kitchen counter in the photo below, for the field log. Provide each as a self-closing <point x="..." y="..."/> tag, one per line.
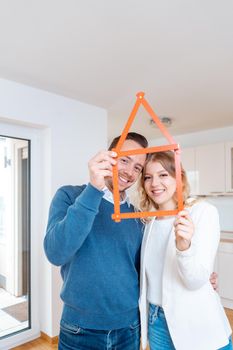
<point x="226" y="237"/>
<point x="224" y="268"/>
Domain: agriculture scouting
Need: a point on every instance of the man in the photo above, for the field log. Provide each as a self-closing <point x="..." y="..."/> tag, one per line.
<point x="99" y="258"/>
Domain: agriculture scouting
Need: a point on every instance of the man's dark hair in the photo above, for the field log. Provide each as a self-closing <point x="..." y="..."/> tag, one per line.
<point x="134" y="136"/>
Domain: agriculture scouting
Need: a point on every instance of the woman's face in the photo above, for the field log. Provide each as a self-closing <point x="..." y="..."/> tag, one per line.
<point x="160" y="186"/>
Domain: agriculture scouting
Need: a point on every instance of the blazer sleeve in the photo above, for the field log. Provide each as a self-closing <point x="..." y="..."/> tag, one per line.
<point x="196" y="264"/>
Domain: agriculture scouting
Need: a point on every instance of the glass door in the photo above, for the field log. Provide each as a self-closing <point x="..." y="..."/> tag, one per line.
<point x="14" y="235"/>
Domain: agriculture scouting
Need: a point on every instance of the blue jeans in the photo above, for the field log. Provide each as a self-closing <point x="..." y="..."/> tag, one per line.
<point x="158" y="333"/>
<point x="76" y="338"/>
<point x="229" y="346"/>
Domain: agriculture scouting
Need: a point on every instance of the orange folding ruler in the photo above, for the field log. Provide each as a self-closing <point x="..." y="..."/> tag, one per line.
<point x="117" y="215"/>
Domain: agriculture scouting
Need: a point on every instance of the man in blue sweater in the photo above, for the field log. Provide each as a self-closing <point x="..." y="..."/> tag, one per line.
<point x="99" y="258"/>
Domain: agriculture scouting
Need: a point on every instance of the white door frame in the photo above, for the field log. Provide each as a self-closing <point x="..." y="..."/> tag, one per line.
<point x="35" y="136"/>
<point x="19" y="145"/>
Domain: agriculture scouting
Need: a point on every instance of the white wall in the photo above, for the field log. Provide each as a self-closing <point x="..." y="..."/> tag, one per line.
<point x="198" y="138"/>
<point x="68" y="134"/>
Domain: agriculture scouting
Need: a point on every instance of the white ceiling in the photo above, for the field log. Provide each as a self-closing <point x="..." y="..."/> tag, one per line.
<point x="103" y="52"/>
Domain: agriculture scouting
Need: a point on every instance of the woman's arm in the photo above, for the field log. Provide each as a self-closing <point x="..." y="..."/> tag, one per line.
<point x="195" y="264"/>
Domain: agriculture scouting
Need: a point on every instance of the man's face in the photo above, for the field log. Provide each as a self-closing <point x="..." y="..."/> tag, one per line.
<point x="129" y="167"/>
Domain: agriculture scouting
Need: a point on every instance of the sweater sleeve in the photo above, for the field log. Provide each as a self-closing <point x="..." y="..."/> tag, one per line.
<point x="196" y="264"/>
<point x="70" y="221"/>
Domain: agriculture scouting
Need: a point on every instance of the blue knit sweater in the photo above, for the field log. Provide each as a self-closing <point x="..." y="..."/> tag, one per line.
<point x="99" y="258"/>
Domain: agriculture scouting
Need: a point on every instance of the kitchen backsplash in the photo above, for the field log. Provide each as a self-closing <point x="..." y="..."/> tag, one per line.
<point x="225" y="209"/>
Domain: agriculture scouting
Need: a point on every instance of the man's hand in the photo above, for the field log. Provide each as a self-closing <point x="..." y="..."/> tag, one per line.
<point x="214" y="280"/>
<point x="184" y="230"/>
<point x="100" y="166"/>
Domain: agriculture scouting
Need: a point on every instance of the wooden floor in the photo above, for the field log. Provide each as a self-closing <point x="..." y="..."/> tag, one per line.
<point x="41" y="344"/>
<point x="38" y="344"/>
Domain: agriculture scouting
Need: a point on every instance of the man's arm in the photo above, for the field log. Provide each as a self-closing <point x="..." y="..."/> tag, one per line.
<point x="70" y="222"/>
<point x="72" y="214"/>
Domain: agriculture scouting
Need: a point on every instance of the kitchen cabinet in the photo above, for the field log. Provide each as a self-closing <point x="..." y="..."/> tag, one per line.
<point x="229" y="166"/>
<point x="188" y="160"/>
<point x="224" y="268"/>
<point x="210" y="167"/>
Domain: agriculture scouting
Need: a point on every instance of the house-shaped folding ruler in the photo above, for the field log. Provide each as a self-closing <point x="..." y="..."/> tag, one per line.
<point x="117" y="216"/>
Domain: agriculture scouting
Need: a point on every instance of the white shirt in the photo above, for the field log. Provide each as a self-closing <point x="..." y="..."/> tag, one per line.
<point x="108" y="195"/>
<point x="155" y="258"/>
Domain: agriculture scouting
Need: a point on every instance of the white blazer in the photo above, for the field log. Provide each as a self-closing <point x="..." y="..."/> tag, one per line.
<point x="194" y="314"/>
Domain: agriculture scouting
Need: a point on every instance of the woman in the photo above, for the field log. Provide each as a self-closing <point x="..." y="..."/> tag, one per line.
<point x="179" y="308"/>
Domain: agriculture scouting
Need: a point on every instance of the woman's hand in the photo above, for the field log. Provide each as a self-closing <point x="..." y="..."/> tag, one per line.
<point x="184" y="230"/>
<point x="214" y="280"/>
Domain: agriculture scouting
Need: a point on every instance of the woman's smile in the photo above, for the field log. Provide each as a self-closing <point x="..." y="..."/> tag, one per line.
<point x="160" y="186"/>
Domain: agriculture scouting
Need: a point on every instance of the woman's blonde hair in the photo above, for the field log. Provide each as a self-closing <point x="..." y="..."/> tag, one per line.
<point x="167" y="160"/>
